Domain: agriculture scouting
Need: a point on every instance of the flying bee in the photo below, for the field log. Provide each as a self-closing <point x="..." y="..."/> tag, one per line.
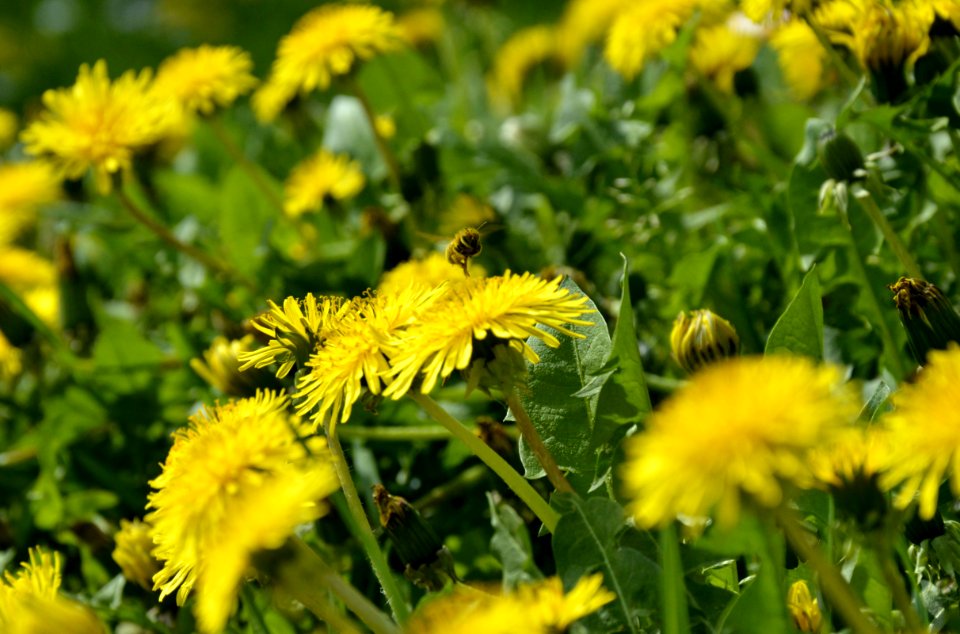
<point x="465" y="245"/>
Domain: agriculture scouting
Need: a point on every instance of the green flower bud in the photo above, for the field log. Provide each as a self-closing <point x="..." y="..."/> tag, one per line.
<point x="702" y="337"/>
<point x="839" y="155"/>
<point x="929" y="319"/>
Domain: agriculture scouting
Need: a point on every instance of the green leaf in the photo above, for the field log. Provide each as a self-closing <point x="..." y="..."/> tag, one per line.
<point x="564" y="420"/>
<point x="511" y="543"/>
<point x="587" y="539"/>
<point x="246" y="220"/>
<point x="812" y="230"/>
<point x="800" y="328"/>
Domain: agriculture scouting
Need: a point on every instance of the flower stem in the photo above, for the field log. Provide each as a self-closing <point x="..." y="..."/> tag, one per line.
<point x="834" y="586"/>
<point x="307" y="578"/>
<point x="398" y="604"/>
<point x="245" y="164"/>
<point x="535" y="442"/>
<point x="402" y="433"/>
<point x="883" y="548"/>
<point x="869" y="205"/>
<point x="393" y="166"/>
<point x="492" y="459"/>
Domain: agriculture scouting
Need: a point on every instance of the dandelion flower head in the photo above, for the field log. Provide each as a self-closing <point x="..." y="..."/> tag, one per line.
<point x="24" y="187"/>
<point x="583" y="23"/>
<point x="509" y="308"/>
<point x="421" y="26"/>
<point x="643" y="29"/>
<point x="720" y="51"/>
<point x="430" y="272"/>
<point x="132" y="552"/>
<point x="760" y="10"/>
<point x="924" y="429"/>
<point x="204" y="78"/>
<point x="740" y="429"/>
<point x="99" y="125"/>
<point x="322" y="176"/>
<point x="801" y="57"/>
<point x="34" y="278"/>
<point x="225" y="454"/>
<point x="523" y="51"/>
<point x="881" y="35"/>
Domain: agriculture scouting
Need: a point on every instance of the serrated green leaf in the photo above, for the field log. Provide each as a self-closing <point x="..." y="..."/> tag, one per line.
<point x="511" y="543"/>
<point x="800" y="328"/>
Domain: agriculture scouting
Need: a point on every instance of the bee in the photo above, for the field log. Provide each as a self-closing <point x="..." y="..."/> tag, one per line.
<point x="465" y="245"/>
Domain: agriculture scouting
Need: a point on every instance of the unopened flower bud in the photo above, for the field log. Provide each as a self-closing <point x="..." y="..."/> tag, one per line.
<point x="803" y="608"/>
<point x="839" y="155"/>
<point x="929" y="319"/>
<point x="702" y="337"/>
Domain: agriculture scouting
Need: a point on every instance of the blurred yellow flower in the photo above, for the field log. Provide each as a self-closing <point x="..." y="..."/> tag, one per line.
<point x="421" y="26"/>
<point x="508" y="308"/>
<point x="220" y="367"/>
<point x="323" y="44"/>
<point x="385" y="125"/>
<point x="8" y="128"/>
<point x="719" y="52"/>
<point x="583" y="23"/>
<point x="10" y="363"/>
<point x="132" y="552"/>
<point x="428" y="272"/>
<point x="23" y="188"/>
<point x="100" y="125"/>
<point x="34" y="278"/>
<point x="883" y="36"/>
<point x="201" y="79"/>
<point x="924" y="429"/>
<point x="642" y="30"/>
<point x="801" y="57"/>
<point x="738" y="431"/>
<point x="228" y="458"/>
<point x="760" y="10"/>
<point x="324" y="175"/>
<point x="524" y="50"/>
<point x="536" y="608"/>
<point x="804" y="609"/>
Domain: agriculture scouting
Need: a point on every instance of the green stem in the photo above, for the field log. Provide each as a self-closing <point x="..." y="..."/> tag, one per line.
<point x="535" y="442"/>
<point x="307" y="579"/>
<point x="400" y="433"/>
<point x="492" y="459"/>
<point x="895" y="583"/>
<point x="365" y="533"/>
<point x="245" y="164"/>
<point x="834" y="586"/>
<point x="899" y="249"/>
<point x="393" y="166"/>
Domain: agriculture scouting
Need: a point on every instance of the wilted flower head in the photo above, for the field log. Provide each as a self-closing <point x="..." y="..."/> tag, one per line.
<point x="201" y="79"/>
<point x="323" y="44"/>
<point x="134" y="543"/>
<point x="738" y="431"/>
<point x="322" y="176"/>
<point x="99" y="125"/>
<point x="927" y="316"/>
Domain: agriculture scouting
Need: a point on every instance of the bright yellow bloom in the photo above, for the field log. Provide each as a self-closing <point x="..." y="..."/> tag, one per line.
<point x="204" y="78"/>
<point x="854" y="458"/>
<point x="34" y="278"/>
<point x="516" y="58"/>
<point x="323" y="44"/>
<point x="719" y="52"/>
<point x="295" y="330"/>
<point x="881" y="35"/>
<point x="802" y="58"/>
<point x="355" y="356"/>
<point x="222" y="458"/>
<point x="10" y="363"/>
<point x="508" y="308"/>
<point x="132" y="552"/>
<point x="428" y="272"/>
<point x="323" y="175"/>
<point x="385" y="126"/>
<point x="803" y="608"/>
<point x="421" y="26"/>
<point x="760" y="10"/>
<point x="948" y="10"/>
<point x="739" y="430"/>
<point x="644" y="29"/>
<point x="925" y="433"/>
<point x="220" y="367"/>
<point x="98" y="124"/>
<point x="23" y="188"/>
<point x="8" y="128"/>
<point x="583" y="23"/>
<point x="538" y="608"/>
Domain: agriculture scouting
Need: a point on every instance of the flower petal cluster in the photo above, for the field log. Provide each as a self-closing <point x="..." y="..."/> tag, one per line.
<point x="924" y="429"/>
<point x="719" y="52"/>
<point x="229" y="459"/>
<point x="325" y="43"/>
<point x="740" y="430"/>
<point x="99" y="125"/>
<point x="538" y="608"/>
<point x="134" y="543"/>
<point x="204" y="78"/>
<point x="642" y="30"/>
<point x="801" y="57"/>
<point x="324" y="175"/>
<point x="429" y="272"/>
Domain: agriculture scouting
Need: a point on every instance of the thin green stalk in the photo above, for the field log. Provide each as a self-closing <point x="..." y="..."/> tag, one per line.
<point x="245" y="164"/>
<point x="535" y="442"/>
<point x="403" y="433"/>
<point x="899" y="249"/>
<point x="834" y="586"/>
<point x="365" y="533"/>
<point x="393" y="166"/>
<point x="895" y="583"/>
<point x="492" y="459"/>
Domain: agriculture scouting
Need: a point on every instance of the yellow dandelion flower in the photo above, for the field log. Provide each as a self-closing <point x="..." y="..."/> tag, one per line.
<point x="523" y="51"/>
<point x="8" y="128"/>
<point x="947" y="10"/>
<point x="508" y="308"/>
<point x="702" y="337"/>
<point x="355" y="356"/>
<point x="760" y="10"/>
<point x="801" y="57"/>
<point x="260" y="520"/>
<point x="23" y="188"/>
<point x="882" y="36"/>
<point x="10" y="359"/>
<point x="428" y="272"/>
<point x="583" y="23"/>
<point x="132" y="552"/>
<point x="44" y="301"/>
<point x="739" y="430"/>
<point x="644" y="29"/>
<point x="719" y="52"/>
<point x="323" y="44"/>
<point x="98" y="124"/>
<point x="849" y="467"/>
<point x="225" y="453"/>
<point x="804" y="609"/>
<point x="34" y="278"/>
<point x="924" y="432"/>
<point x="385" y="125"/>
<point x="537" y="608"/>
<point x="322" y="176"/>
<point x="204" y="78"/>
<point x="295" y="330"/>
<point x="421" y="26"/>
<point x="270" y="99"/>
<point x="220" y="367"/>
